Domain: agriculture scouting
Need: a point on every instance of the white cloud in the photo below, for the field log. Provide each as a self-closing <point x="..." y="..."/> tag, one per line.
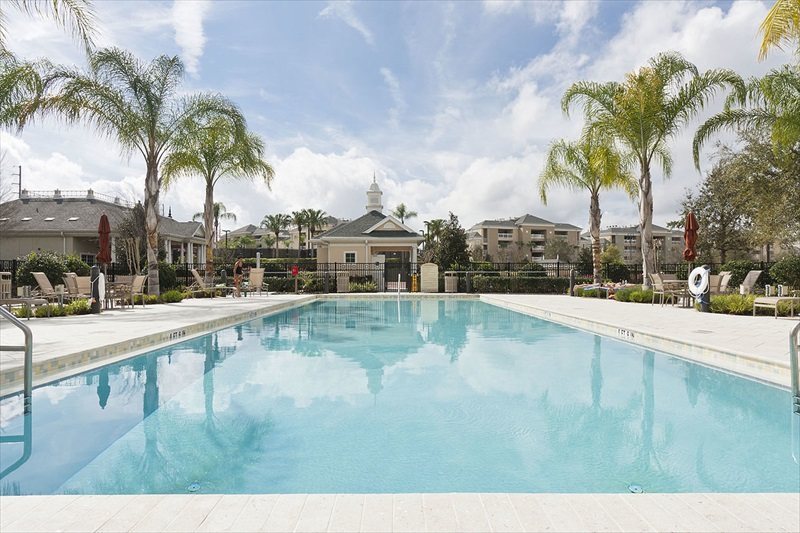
<point x="345" y="12"/>
<point x="397" y="96"/>
<point x="187" y="19"/>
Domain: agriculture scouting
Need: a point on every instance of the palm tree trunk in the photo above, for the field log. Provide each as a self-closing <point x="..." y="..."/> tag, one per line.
<point x="208" y="221"/>
<point x="151" y="190"/>
<point x="646" y="224"/>
<point x="595" y="217"/>
<point x="277" y="242"/>
<point x="299" y="238"/>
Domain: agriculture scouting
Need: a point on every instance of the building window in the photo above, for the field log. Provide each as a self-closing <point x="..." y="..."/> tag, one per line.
<point x="88" y="259"/>
<point x="349" y="257"/>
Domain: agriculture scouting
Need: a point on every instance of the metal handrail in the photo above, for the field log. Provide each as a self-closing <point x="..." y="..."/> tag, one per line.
<point x="794" y="348"/>
<point x="27" y="386"/>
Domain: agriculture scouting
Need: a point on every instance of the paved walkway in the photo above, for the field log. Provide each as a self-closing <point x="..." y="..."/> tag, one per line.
<point x="753" y="346"/>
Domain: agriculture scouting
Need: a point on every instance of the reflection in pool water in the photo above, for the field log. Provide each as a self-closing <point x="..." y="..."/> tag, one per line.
<point x="400" y="396"/>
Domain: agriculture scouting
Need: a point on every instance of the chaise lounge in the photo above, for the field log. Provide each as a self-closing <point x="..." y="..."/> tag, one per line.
<point x="771" y="302"/>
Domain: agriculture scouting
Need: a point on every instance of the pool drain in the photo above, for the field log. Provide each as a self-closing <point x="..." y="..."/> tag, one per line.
<point x="193" y="487"/>
<point x="636" y="489"/>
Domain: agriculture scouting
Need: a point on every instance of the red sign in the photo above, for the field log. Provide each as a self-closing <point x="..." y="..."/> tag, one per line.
<point x="295" y="270"/>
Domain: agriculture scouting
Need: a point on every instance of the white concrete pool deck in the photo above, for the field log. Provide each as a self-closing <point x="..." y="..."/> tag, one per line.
<point x="753" y="346"/>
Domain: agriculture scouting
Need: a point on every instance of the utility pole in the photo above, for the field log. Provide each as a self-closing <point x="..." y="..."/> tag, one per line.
<point x="18" y="175"/>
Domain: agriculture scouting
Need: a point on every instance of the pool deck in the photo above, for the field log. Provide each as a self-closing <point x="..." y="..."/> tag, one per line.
<point x="753" y="346"/>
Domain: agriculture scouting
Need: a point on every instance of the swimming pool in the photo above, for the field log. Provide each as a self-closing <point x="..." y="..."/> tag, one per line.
<point x="373" y="396"/>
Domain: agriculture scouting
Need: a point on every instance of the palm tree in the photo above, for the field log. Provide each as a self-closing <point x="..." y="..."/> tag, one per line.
<point x="76" y="15"/>
<point x="591" y="163"/>
<point x="142" y="107"/>
<point x="216" y="149"/>
<point x="299" y="220"/>
<point x="769" y="103"/>
<point x="402" y="212"/>
<point x="781" y="26"/>
<point x="220" y="213"/>
<point x="315" y="220"/>
<point x="276" y="224"/>
<point x="644" y="113"/>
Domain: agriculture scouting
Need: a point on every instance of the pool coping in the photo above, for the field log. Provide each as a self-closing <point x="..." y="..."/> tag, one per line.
<point x="775" y="373"/>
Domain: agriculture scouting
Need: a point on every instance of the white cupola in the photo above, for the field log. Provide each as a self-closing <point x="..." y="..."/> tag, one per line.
<point x="374" y="197"/>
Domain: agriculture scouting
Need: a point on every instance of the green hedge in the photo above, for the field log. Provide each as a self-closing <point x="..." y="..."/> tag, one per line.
<point x="529" y="285"/>
<point x="787" y="271"/>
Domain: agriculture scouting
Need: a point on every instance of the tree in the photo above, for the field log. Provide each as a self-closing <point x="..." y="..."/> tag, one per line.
<point x="643" y="113"/>
<point x="243" y="241"/>
<point x="315" y="220"/>
<point x="299" y="219"/>
<point x="220" y="213"/>
<point x="141" y="106"/>
<point x="76" y="15"/>
<point x="593" y="164"/>
<point x="217" y="148"/>
<point x="771" y="103"/>
<point x="780" y="27"/>
<point x="560" y="249"/>
<point x="433" y="232"/>
<point x="451" y="248"/>
<point x="402" y="212"/>
<point x="276" y="224"/>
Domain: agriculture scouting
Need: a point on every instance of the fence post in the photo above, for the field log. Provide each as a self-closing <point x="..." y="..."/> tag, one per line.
<point x="558" y="268"/>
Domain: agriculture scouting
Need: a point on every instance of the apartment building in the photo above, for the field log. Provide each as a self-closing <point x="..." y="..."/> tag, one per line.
<point x="520" y="239"/>
<point x="668" y="243"/>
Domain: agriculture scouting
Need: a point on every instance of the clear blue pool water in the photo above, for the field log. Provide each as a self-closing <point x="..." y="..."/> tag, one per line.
<point x="409" y="396"/>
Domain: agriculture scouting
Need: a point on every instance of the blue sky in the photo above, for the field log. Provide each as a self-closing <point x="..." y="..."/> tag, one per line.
<point x="451" y="105"/>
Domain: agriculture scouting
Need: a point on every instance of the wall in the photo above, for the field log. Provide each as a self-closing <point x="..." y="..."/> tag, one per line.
<point x="13" y="247"/>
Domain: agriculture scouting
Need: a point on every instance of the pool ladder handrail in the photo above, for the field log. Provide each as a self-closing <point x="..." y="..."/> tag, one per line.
<point x="27" y="386"/>
<point x="794" y="350"/>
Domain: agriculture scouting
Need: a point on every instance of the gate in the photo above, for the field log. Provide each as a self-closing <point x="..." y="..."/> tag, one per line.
<point x="392" y="270"/>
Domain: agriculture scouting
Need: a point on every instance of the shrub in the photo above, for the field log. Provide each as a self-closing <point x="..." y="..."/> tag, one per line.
<point x="49" y="310"/>
<point x="732" y="304"/>
<point x="281" y="284"/>
<point x="167" y="276"/>
<point x="534" y="268"/>
<point x="366" y="286"/>
<point x="641" y="296"/>
<point x="22" y="312"/>
<point x="519" y="284"/>
<point x="73" y="263"/>
<point x="148" y="299"/>
<point x="78" y="307"/>
<point x="787" y="271"/>
<point x="51" y="263"/>
<point x="623" y="295"/>
<point x="171" y="297"/>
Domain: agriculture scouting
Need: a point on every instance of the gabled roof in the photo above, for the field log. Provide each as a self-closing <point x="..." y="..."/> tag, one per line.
<point x="562" y="225"/>
<point x="244" y="230"/>
<point x="530" y="220"/>
<point x="79" y="216"/>
<point x="497" y="224"/>
<point x="366" y="226"/>
<point x="630" y="230"/>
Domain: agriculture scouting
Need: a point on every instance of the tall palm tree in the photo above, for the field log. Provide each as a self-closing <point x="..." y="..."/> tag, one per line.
<point x="276" y="224"/>
<point x="216" y="149"/>
<point x="140" y="105"/>
<point x="592" y="164"/>
<point x="299" y="220"/>
<point x="76" y="15"/>
<point x="220" y="213"/>
<point x="643" y="113"/>
<point x="769" y="103"/>
<point x="781" y="26"/>
<point x="315" y="220"/>
<point x="402" y="212"/>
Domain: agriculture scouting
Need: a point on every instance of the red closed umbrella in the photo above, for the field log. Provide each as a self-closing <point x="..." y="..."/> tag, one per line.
<point x="690" y="237"/>
<point x="104" y="232"/>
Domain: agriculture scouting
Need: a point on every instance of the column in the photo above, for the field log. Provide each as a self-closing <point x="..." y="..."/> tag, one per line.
<point x="414" y="254"/>
<point x="113" y="249"/>
<point x="168" y="250"/>
<point x="190" y="253"/>
<point x="183" y="255"/>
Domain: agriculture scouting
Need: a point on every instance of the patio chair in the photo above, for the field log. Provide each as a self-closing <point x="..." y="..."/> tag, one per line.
<point x="137" y="289"/>
<point x="255" y="281"/>
<point x="199" y="284"/>
<point x="46" y="290"/>
<point x="749" y="282"/>
<point x="5" y="285"/>
<point x="718" y="283"/>
<point x="660" y="290"/>
<point x="71" y="283"/>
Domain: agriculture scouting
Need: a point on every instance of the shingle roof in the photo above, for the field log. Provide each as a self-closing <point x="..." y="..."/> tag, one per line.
<point x="358" y="227"/>
<point x="500" y="223"/>
<point x="533" y="220"/>
<point x="562" y="225"/>
<point x="85" y="213"/>
<point x="632" y="229"/>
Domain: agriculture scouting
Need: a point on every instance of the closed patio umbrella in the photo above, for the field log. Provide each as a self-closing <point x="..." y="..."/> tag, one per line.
<point x="104" y="233"/>
<point x="690" y="237"/>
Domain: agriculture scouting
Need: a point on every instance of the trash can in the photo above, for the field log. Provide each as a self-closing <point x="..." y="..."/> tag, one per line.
<point x="451" y="284"/>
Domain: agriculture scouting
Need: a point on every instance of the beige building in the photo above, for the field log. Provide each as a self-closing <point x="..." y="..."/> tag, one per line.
<point x="372" y="238"/>
<point x="520" y="239"/>
<point x="668" y="243"/>
<point x="67" y="222"/>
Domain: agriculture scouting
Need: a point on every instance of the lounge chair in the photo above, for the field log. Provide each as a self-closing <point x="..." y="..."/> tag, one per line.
<point x="200" y="285"/>
<point x="46" y="290"/>
<point x="255" y="281"/>
<point x="718" y="283"/>
<point x="663" y="291"/>
<point x="136" y="288"/>
<point x="71" y="283"/>
<point x="5" y="285"/>
<point x="771" y="302"/>
<point x="749" y="282"/>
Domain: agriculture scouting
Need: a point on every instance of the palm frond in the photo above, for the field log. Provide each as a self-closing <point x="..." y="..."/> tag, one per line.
<point x="780" y="27"/>
<point x="77" y="16"/>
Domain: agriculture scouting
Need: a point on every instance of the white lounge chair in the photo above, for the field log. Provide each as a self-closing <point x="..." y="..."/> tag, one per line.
<point x="749" y="282"/>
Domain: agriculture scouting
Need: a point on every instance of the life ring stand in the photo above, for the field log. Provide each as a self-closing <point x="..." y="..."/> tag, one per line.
<point x="698" y="281"/>
<point x="101" y="287"/>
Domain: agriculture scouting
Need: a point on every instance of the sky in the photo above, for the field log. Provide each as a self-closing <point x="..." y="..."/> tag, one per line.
<point x="451" y="105"/>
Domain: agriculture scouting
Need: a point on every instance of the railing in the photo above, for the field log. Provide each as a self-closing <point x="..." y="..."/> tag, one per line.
<point x="794" y="348"/>
<point x="27" y="386"/>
